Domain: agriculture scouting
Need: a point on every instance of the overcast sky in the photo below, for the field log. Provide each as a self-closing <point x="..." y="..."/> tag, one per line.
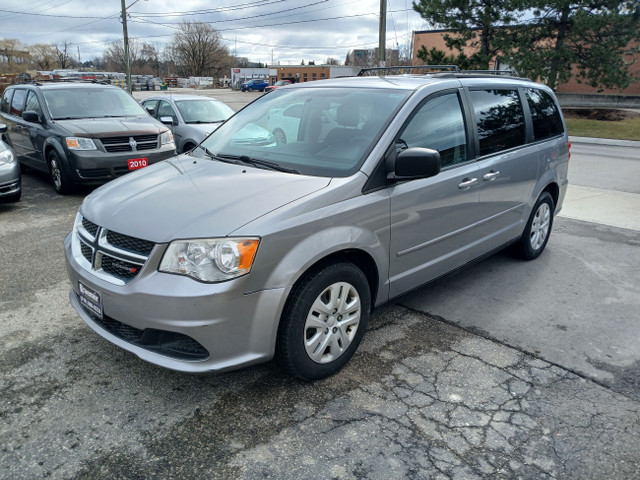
<point x="285" y="31"/>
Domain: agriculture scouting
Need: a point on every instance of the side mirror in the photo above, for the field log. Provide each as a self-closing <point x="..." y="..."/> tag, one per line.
<point x="167" y="120"/>
<point x="416" y="162"/>
<point x="3" y="128"/>
<point x="31" y="116"/>
<point x="151" y="110"/>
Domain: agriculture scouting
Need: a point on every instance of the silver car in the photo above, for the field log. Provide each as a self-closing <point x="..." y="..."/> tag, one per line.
<point x="248" y="248"/>
<point x="10" y="177"/>
<point x="190" y="117"/>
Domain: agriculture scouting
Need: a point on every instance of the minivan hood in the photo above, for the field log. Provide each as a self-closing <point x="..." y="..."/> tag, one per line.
<point x="109" y="127"/>
<point x="187" y="197"/>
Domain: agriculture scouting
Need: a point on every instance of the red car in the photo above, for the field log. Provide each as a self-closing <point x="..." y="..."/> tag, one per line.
<point x="278" y="84"/>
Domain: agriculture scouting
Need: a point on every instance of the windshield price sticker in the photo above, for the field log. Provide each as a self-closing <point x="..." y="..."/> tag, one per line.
<point x="90" y="299"/>
<point x="136" y="163"/>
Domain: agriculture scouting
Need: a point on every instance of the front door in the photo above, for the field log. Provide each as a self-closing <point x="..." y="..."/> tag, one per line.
<point x="432" y="219"/>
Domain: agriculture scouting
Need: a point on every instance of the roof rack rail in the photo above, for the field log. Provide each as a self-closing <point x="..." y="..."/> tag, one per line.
<point x="507" y="73"/>
<point x="403" y="68"/>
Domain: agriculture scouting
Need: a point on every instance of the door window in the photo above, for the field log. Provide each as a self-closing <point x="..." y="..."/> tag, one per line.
<point x="166" y="110"/>
<point x="6" y="101"/>
<point x="33" y="104"/>
<point x="17" y="104"/>
<point x="151" y="104"/>
<point x="499" y="119"/>
<point x="544" y="113"/>
<point x="438" y="125"/>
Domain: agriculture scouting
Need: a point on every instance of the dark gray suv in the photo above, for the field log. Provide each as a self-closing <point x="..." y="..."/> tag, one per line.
<point x="81" y="133"/>
<point x="248" y="247"/>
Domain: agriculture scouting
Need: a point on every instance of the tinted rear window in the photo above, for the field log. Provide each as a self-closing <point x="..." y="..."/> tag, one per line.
<point x="6" y="101"/>
<point x="17" y="104"/>
<point x="499" y="119"/>
<point x="544" y="113"/>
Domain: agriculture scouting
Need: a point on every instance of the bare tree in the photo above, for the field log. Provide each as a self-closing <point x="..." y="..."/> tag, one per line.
<point x="198" y="51"/>
<point x="63" y="52"/>
<point x="114" y="55"/>
<point x="44" y="56"/>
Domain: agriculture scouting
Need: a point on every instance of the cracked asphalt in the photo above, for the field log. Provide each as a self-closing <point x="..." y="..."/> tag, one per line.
<point x="431" y="393"/>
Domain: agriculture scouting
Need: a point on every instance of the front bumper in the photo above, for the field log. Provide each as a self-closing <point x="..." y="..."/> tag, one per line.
<point x="234" y="329"/>
<point x="94" y="167"/>
<point x="10" y="179"/>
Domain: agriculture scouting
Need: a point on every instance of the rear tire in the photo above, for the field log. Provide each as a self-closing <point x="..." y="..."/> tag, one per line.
<point x="59" y="174"/>
<point x="324" y="321"/>
<point x="536" y="233"/>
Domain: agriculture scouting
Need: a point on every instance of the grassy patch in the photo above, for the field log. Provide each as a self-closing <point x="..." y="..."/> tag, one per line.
<point x="617" y="124"/>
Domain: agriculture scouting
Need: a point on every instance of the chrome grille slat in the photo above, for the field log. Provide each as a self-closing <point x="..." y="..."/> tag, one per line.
<point x="111" y="255"/>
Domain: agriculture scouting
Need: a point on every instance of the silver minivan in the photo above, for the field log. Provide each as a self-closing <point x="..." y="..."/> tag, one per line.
<point x="249" y="247"/>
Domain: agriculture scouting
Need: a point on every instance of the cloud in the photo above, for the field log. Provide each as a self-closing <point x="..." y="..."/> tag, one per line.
<point x="285" y="31"/>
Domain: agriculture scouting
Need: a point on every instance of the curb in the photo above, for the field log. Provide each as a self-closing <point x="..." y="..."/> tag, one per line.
<point x="604" y="141"/>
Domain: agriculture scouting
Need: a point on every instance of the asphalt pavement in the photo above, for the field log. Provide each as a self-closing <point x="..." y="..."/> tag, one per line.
<point x="506" y="370"/>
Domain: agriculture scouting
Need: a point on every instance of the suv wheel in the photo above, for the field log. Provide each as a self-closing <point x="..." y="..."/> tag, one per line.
<point x="250" y="89"/>
<point x="324" y="321"/>
<point x="58" y="173"/>
<point x="536" y="233"/>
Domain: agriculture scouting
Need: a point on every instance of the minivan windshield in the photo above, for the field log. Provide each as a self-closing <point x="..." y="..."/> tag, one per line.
<point x="314" y="131"/>
<point x="93" y="102"/>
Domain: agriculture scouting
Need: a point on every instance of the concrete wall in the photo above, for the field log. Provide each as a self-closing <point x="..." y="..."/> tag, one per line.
<point x="581" y="100"/>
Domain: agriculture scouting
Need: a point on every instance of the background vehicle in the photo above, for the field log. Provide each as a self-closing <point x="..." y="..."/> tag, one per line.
<point x="190" y="117"/>
<point x="255" y="84"/>
<point x="10" y="177"/>
<point x="81" y="133"/>
<point x="278" y="84"/>
<point x="248" y="248"/>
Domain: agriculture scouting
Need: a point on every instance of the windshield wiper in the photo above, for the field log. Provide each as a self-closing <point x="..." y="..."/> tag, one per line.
<point x="256" y="162"/>
<point x="204" y="121"/>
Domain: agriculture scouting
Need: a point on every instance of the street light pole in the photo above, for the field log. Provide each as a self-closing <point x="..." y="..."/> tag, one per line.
<point x="126" y="45"/>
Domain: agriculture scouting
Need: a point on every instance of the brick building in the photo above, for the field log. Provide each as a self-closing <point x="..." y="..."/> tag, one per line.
<point x="435" y="38"/>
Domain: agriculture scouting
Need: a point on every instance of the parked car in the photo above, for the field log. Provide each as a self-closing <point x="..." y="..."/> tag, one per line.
<point x="278" y="84"/>
<point x="81" y="133"/>
<point x="255" y="84"/>
<point x="190" y="117"/>
<point x="10" y="177"/>
<point x="247" y="248"/>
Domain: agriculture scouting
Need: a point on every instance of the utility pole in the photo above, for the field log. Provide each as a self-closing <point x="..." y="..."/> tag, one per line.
<point x="382" y="47"/>
<point x="126" y="45"/>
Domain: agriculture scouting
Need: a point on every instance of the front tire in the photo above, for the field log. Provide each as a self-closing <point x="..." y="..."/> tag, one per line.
<point x="250" y="89"/>
<point x="58" y="173"/>
<point x="324" y="321"/>
<point x="536" y="233"/>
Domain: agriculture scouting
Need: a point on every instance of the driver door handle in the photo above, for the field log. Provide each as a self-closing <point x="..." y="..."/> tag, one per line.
<point x="467" y="183"/>
<point x="491" y="176"/>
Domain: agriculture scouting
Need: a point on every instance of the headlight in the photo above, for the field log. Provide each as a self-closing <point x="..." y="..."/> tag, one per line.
<point x="7" y="156"/>
<point x="80" y="143"/>
<point x="210" y="259"/>
<point x="166" y="137"/>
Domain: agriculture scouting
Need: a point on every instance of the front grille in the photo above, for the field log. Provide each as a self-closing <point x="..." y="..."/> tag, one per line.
<point x="123" y="144"/>
<point x="120" y="268"/>
<point x="89" y="226"/>
<point x="113" y="256"/>
<point x="94" y="173"/>
<point x="87" y="252"/>
<point x="170" y="344"/>
<point x="125" y="242"/>
<point x="9" y="187"/>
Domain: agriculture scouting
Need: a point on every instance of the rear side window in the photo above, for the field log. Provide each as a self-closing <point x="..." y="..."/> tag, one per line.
<point x="17" y="104"/>
<point x="499" y="118"/>
<point x="545" y="115"/>
<point x="438" y="125"/>
<point x="6" y="101"/>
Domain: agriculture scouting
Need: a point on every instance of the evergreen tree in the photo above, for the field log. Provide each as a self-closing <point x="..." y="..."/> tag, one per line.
<point x="593" y="36"/>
